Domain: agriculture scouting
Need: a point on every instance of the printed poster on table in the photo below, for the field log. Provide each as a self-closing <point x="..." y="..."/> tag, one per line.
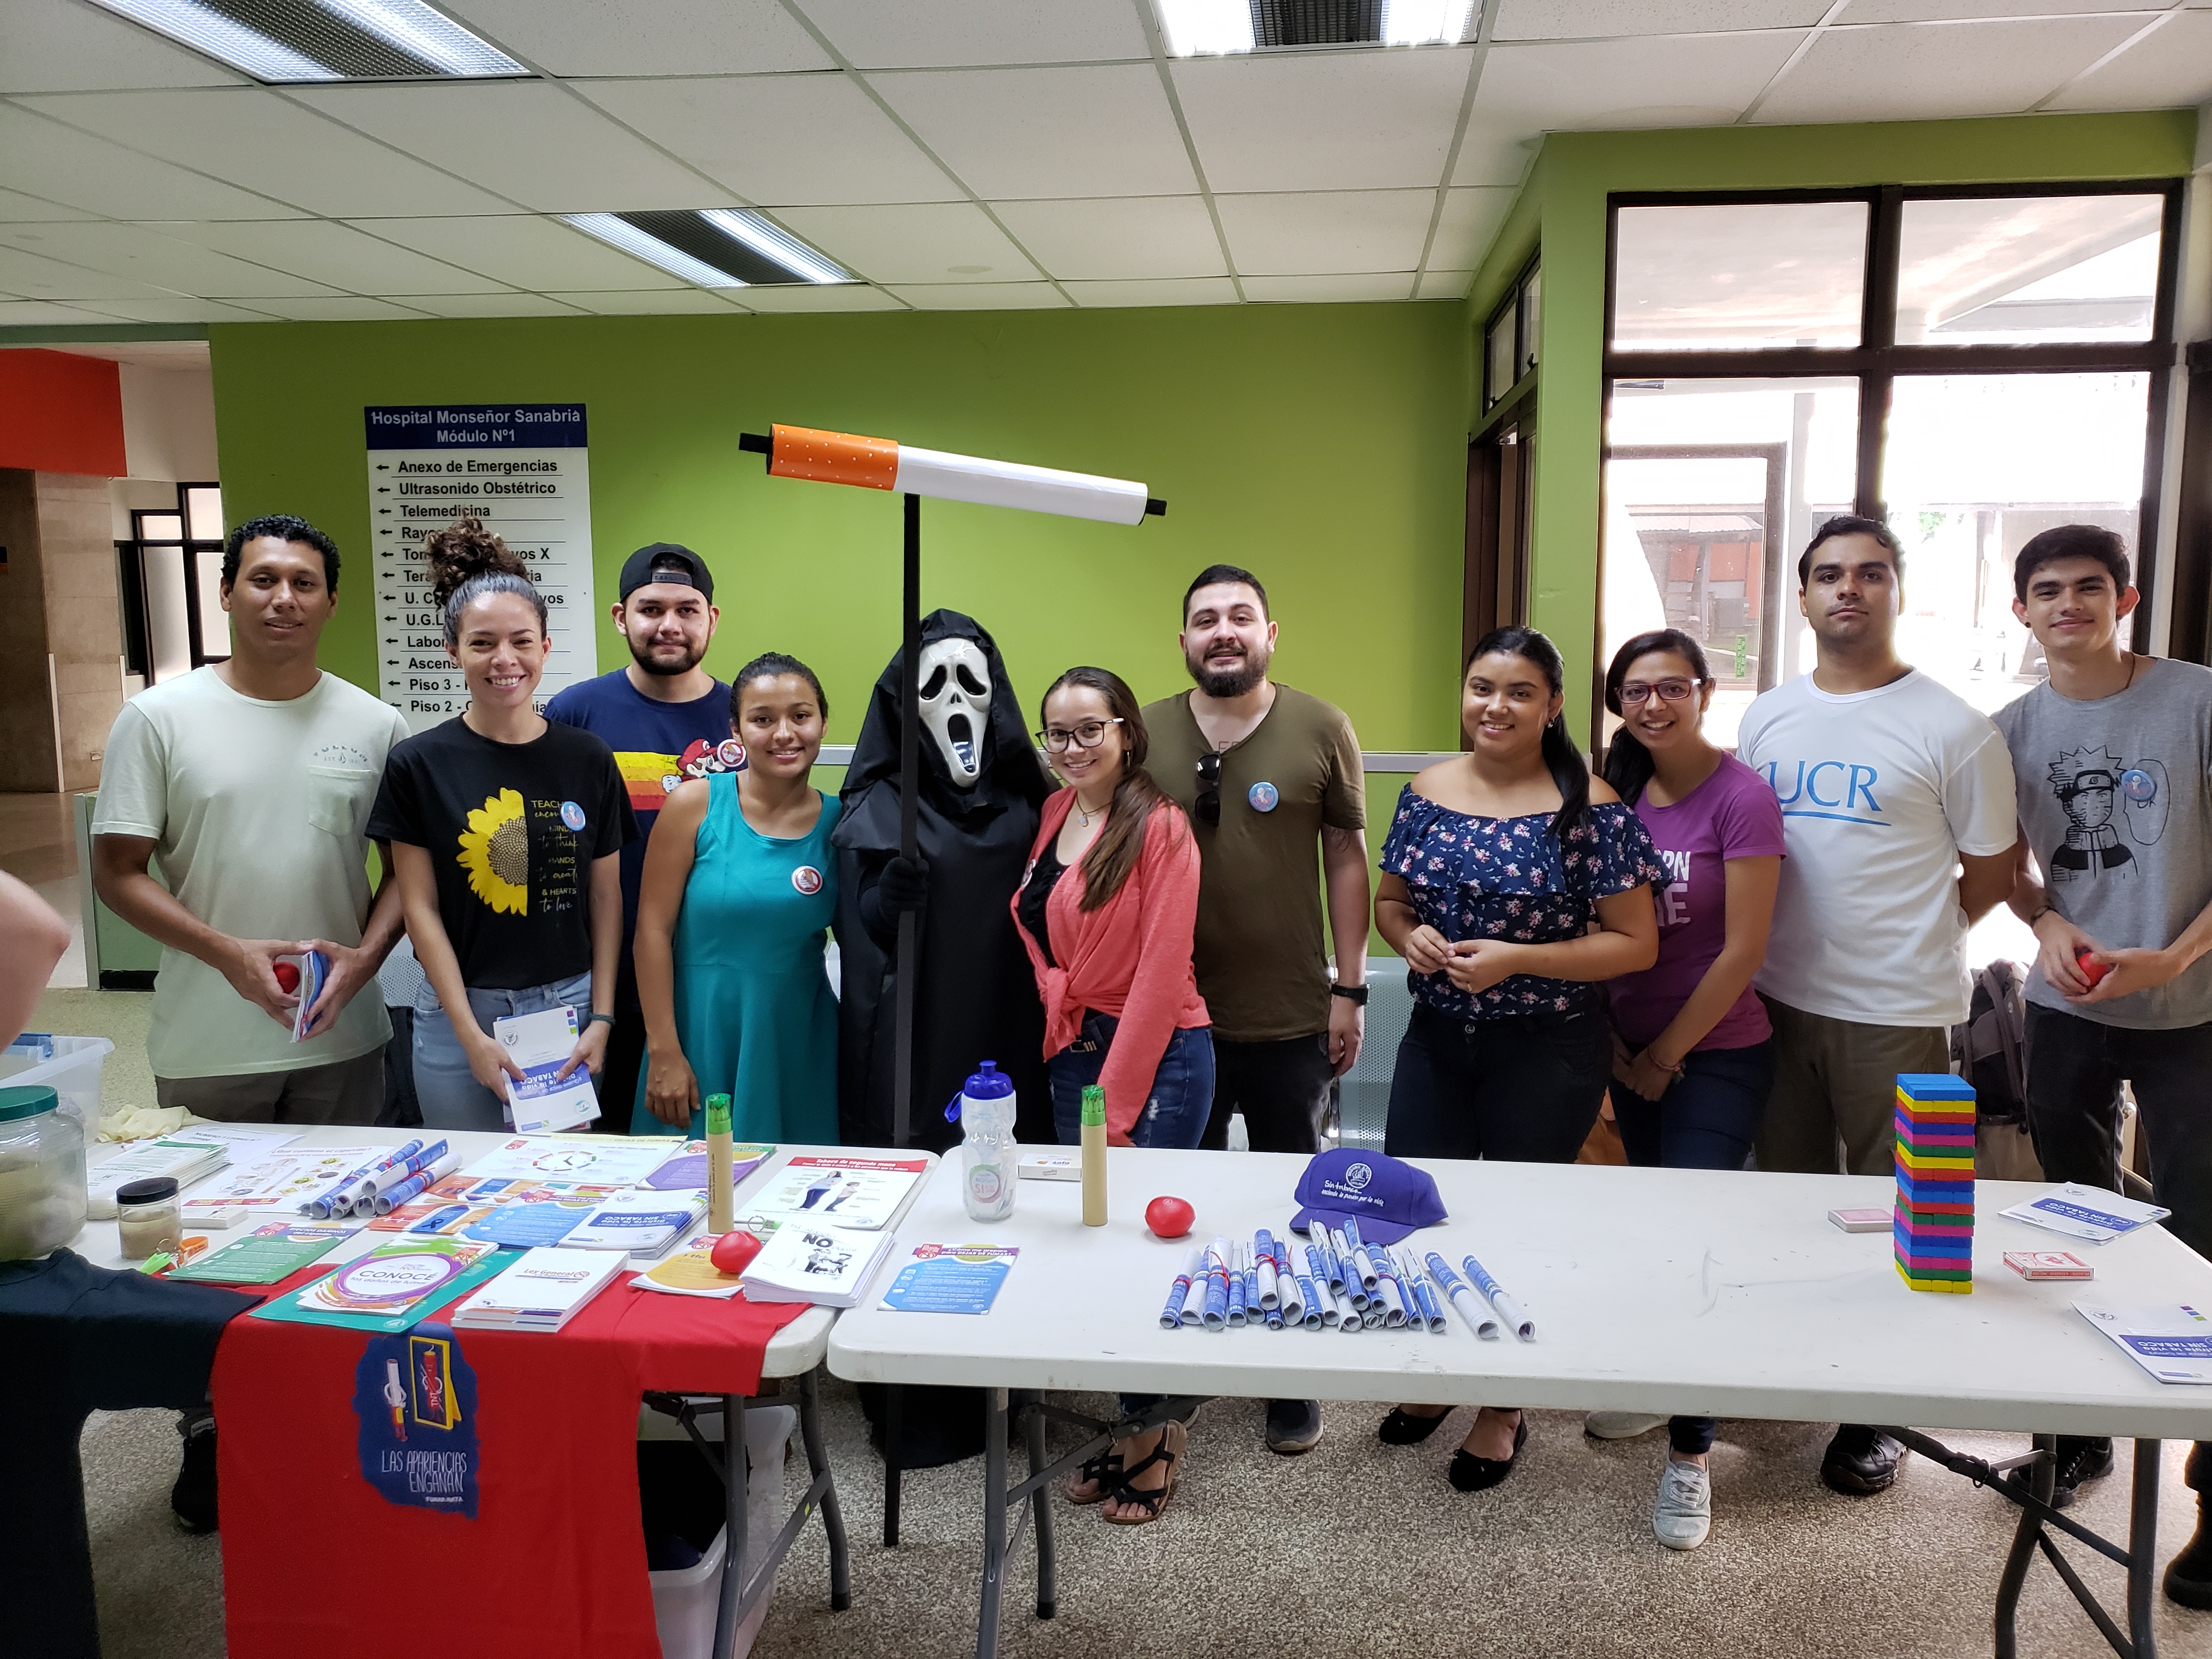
<point x="843" y="1192"/>
<point x="523" y="469"/>
<point x="416" y="1399"/>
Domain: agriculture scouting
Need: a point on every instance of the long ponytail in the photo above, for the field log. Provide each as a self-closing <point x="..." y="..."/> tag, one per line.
<point x="1628" y="763"/>
<point x="1114" y="852"/>
<point x="1562" y="759"/>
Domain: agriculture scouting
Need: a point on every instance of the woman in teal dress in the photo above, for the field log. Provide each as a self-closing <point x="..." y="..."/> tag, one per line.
<point x="741" y="886"/>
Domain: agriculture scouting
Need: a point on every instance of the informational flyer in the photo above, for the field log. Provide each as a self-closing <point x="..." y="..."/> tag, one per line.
<point x="541" y="1101"/>
<point x="841" y="1191"/>
<point x="524" y="469"/>
<point x="956" y="1278"/>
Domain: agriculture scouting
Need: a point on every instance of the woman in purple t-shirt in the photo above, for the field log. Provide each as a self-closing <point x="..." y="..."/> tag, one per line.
<point x="1693" y="1055"/>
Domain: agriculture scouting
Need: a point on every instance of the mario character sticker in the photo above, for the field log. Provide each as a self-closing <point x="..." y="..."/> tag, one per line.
<point x="807" y="879"/>
<point x="415" y="1396"/>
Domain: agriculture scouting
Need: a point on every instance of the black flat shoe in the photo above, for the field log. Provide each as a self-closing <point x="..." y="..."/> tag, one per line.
<point x="1471" y="1474"/>
<point x="1403" y="1428"/>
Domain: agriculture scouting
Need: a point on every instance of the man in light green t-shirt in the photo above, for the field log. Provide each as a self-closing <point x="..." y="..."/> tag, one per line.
<point x="249" y="781"/>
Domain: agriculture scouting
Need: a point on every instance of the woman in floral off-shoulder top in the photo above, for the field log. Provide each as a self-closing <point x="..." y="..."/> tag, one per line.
<point x="1514" y="885"/>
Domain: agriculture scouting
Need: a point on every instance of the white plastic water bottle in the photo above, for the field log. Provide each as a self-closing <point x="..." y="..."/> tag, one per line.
<point x="987" y="1152"/>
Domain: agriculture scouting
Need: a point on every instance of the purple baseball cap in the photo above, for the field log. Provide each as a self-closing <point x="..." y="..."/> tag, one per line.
<point x="1387" y="1197"/>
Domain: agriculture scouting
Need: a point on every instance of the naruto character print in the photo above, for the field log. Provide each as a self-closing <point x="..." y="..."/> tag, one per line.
<point x="2112" y="805"/>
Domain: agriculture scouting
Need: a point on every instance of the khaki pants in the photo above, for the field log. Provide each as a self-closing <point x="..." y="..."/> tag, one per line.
<point x="345" y="1092"/>
<point x="1835" y="1079"/>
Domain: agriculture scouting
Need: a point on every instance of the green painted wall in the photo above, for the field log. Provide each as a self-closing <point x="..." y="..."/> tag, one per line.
<point x="1320" y="446"/>
<point x="1562" y="210"/>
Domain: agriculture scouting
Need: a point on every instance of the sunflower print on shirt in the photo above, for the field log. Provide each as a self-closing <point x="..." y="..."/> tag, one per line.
<point x="496" y="852"/>
<point x="1512" y="878"/>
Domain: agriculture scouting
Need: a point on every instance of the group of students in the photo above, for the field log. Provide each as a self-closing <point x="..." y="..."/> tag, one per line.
<point x="1739" y="951"/>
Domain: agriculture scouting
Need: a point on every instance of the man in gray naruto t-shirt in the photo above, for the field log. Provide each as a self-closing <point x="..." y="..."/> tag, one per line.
<point x="2112" y="765"/>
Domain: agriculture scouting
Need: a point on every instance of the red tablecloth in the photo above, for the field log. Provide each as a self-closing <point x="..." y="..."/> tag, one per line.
<point x="552" y="1565"/>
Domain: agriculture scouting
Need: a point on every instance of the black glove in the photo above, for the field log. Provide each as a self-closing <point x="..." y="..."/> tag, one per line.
<point x="903" y="886"/>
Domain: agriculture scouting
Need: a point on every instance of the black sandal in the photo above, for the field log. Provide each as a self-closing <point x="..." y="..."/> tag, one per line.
<point x="1471" y="1474"/>
<point x="1173" y="1438"/>
<point x="1104" y="1472"/>
<point x="1405" y="1428"/>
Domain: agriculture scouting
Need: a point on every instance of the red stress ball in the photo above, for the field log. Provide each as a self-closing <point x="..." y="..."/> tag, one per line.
<point x="1170" y="1217"/>
<point x="733" y="1250"/>
<point x="2092" y="971"/>
<point x="288" y="976"/>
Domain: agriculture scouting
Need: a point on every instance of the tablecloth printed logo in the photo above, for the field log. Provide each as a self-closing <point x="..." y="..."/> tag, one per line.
<point x="415" y="1396"/>
<point x="807" y="879"/>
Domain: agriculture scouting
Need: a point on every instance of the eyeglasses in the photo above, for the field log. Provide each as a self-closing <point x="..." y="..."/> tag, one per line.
<point x="1635" y="691"/>
<point x="1089" y="735"/>
<point x="1208" y="803"/>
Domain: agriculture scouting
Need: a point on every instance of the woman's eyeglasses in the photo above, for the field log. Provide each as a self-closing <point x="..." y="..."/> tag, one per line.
<point x="1208" y="803"/>
<point x="1636" y="691"/>
<point x="1089" y="735"/>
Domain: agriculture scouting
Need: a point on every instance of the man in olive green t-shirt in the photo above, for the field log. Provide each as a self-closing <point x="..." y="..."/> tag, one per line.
<point x="1272" y="780"/>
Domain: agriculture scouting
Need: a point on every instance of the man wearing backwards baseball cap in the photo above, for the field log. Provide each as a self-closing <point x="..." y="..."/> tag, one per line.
<point x="666" y="719"/>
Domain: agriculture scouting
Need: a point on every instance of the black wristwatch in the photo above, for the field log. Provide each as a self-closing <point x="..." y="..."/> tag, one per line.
<point x="1354" y="994"/>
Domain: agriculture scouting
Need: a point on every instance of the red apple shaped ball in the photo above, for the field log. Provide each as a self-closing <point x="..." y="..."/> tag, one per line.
<point x="2092" y="971"/>
<point x="733" y="1250"/>
<point x="288" y="976"/>
<point x="1170" y="1217"/>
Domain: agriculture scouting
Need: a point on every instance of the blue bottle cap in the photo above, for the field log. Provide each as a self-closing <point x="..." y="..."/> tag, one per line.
<point x="987" y="1083"/>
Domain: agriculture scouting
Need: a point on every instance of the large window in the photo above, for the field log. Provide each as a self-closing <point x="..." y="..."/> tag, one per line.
<point x="1970" y="367"/>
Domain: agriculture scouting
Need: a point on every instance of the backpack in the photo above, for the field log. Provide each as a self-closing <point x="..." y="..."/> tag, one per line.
<point x="1990" y="1049"/>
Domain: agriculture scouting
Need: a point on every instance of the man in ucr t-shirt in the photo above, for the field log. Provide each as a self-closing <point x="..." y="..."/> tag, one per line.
<point x="1889" y="784"/>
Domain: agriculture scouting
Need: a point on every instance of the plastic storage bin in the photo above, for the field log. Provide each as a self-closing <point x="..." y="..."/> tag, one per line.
<point x="683" y="1602"/>
<point x="73" y="1073"/>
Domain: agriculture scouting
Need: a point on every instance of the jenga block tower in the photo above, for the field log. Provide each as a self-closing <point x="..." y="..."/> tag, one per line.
<point x="1933" y="1221"/>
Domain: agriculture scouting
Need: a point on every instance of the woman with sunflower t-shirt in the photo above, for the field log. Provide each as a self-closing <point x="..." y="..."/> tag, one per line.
<point x="505" y="830"/>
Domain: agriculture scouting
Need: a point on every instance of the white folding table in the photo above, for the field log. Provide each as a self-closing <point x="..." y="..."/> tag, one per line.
<point x="1662" y="1290"/>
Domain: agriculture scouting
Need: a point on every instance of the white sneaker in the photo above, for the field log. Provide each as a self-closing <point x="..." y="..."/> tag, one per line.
<point x="1619" y="1425"/>
<point x="1684" y="1514"/>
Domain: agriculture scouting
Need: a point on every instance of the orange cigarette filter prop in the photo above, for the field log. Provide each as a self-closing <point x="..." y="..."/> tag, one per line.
<point x="801" y="452"/>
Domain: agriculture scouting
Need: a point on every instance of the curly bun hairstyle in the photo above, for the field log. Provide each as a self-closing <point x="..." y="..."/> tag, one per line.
<point x="468" y="562"/>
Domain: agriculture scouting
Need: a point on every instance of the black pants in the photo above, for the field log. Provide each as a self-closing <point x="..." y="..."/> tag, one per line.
<point x="1525" y="1088"/>
<point x="401" y="1109"/>
<point x="619" y="1082"/>
<point x="1282" y="1089"/>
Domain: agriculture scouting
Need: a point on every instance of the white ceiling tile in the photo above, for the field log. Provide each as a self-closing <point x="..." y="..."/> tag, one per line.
<point x="1326" y="233"/>
<point x="1921" y="11"/>
<point x="2172" y="68"/>
<point x="1118" y="238"/>
<point x="1323" y="290"/>
<point x="1099" y="130"/>
<point x="930" y="34"/>
<point x="345" y="308"/>
<point x="26" y="272"/>
<point x="1706" y="80"/>
<point x="543" y="255"/>
<point x="336" y="254"/>
<point x="1916" y="71"/>
<point x="1354" y="120"/>
<point x="646" y="37"/>
<point x="659" y="302"/>
<point x="912" y="244"/>
<point x="531" y="142"/>
<point x="29" y="209"/>
<point x="1590" y="19"/>
<point x="255" y="139"/>
<point x="1470" y="222"/>
<point x="1174" y="291"/>
<point x="40" y="313"/>
<point x="491" y="305"/>
<point x="1498" y="153"/>
<point x="147" y="256"/>
<point x="781" y="140"/>
<point x="180" y="310"/>
<point x="62" y="45"/>
<point x="841" y="296"/>
<point x="44" y="158"/>
<point x="982" y="296"/>
<point x="1444" y="285"/>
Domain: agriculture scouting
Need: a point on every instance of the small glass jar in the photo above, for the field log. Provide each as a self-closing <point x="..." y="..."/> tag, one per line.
<point x="41" y="1174"/>
<point x="147" y="1218"/>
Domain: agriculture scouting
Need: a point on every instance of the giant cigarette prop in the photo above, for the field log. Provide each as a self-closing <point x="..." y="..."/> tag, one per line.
<point x="801" y="452"/>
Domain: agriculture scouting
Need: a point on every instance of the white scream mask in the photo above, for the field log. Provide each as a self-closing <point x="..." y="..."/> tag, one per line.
<point x="956" y="704"/>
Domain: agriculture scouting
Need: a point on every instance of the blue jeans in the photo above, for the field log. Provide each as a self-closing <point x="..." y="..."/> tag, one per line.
<point x="447" y="1091"/>
<point x="1182" y="1097"/>
<point x="1707" y="1120"/>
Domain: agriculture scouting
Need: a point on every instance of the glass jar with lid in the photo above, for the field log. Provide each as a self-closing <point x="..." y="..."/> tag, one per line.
<point x="41" y="1174"/>
<point x="147" y="1218"/>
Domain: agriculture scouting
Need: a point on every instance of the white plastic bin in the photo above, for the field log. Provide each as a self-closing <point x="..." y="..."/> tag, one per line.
<point x="683" y="1602"/>
<point x="73" y="1073"/>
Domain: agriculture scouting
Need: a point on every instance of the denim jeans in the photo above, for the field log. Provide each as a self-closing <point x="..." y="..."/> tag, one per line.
<point x="449" y="1095"/>
<point x="1526" y="1087"/>
<point x="1182" y="1086"/>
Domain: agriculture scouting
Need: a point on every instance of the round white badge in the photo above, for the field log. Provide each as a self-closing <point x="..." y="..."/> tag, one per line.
<point x="807" y="879"/>
<point x="1263" y="797"/>
<point x="572" y="816"/>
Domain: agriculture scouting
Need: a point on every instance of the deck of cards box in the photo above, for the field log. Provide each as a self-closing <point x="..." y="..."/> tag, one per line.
<point x="1933" y="1225"/>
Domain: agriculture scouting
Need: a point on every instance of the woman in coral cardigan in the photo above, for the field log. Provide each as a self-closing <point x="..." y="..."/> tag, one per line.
<point x="1106" y="911"/>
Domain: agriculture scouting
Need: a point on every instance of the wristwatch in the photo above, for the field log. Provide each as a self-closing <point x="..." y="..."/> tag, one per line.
<point x="1354" y="994"/>
<point x="590" y="1018"/>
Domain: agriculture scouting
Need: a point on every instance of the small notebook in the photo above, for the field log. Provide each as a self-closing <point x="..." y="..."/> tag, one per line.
<point x="541" y="1292"/>
<point x="804" y="1261"/>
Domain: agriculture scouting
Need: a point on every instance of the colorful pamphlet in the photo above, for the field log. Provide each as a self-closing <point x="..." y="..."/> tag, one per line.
<point x="691" y="1270"/>
<point x="2172" y="1342"/>
<point x="272" y="1251"/>
<point x="858" y="1192"/>
<point x="686" y="1168"/>
<point x="542" y="1291"/>
<point x="180" y="1156"/>
<point x="807" y="1261"/>
<point x="2086" y="1212"/>
<point x="954" y="1279"/>
<point x="540" y="1102"/>
<point x="461" y="1207"/>
<point x="278" y="1183"/>
<point x="594" y="1160"/>
<point x="640" y="1224"/>
<point x="314" y="974"/>
<point x="392" y="1286"/>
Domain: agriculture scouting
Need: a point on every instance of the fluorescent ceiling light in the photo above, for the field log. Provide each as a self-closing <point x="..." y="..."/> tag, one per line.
<point x="1198" y="27"/>
<point x="617" y="232"/>
<point x="289" y="40"/>
<point x="1205" y="28"/>
<point x="1424" y="22"/>
<point x="777" y="246"/>
<point x="715" y="249"/>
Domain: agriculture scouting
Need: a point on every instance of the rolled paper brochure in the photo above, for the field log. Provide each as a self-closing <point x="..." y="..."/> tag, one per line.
<point x="1290" y="1296"/>
<point x="1263" y="1259"/>
<point x="418" y="1184"/>
<point x="1216" y="1285"/>
<point x="1273" y="1317"/>
<point x="1425" y="1293"/>
<point x="1469" y="1306"/>
<point x="344" y="1198"/>
<point x="1253" y="1306"/>
<point x="1179" y="1293"/>
<point x="1353" y="1320"/>
<point x="1508" y="1311"/>
<point x="1309" y="1295"/>
<point x="1330" y="1262"/>
<point x="1324" y="1299"/>
<point x="318" y="1207"/>
<point x="798" y="451"/>
<point x="1393" y="1301"/>
<point x="361" y="1200"/>
<point x="1240" y="1304"/>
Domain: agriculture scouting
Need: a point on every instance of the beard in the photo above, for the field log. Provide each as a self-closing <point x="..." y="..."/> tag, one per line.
<point x="1225" y="683"/>
<point x="666" y="667"/>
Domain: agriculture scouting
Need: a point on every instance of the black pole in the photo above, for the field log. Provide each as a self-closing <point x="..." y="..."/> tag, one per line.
<point x="910" y="827"/>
